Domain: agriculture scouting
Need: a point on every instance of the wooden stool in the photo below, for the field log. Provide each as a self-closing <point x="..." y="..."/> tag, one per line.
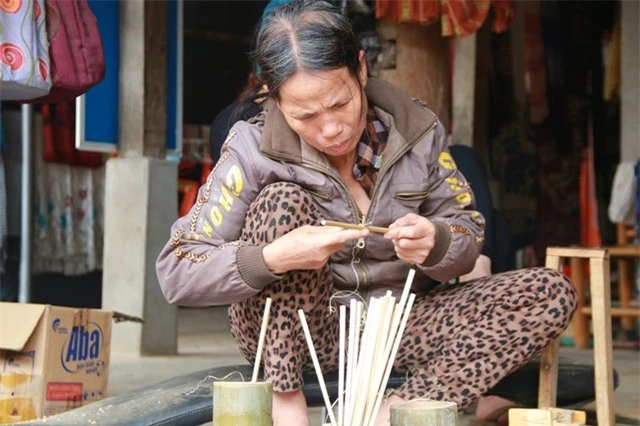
<point x="601" y="319"/>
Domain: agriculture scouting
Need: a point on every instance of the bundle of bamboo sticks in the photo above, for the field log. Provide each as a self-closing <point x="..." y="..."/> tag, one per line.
<point x="369" y="357"/>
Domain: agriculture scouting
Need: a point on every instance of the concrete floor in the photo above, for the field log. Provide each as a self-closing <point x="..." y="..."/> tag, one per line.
<point x="204" y="341"/>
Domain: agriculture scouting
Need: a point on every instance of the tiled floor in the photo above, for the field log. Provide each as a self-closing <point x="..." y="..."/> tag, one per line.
<point x="204" y="342"/>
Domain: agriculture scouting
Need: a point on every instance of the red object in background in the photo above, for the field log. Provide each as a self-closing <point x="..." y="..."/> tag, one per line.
<point x="75" y="50"/>
<point x="59" y="137"/>
<point x="457" y="17"/>
<point x="188" y="186"/>
<point x="589" y="227"/>
<point x="188" y="193"/>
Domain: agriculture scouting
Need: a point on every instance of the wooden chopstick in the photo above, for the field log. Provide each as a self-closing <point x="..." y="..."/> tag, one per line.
<point x="376" y="229"/>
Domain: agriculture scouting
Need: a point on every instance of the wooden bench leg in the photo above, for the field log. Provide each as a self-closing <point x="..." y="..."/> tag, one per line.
<point x="548" y="386"/>
<point x="600" y="287"/>
<point x="580" y="319"/>
<point x="625" y="289"/>
<point x="602" y="349"/>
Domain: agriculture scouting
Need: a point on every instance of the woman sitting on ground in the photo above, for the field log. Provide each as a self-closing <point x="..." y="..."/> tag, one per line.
<point x="336" y="144"/>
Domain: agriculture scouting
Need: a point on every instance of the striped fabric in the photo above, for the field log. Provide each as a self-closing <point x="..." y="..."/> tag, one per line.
<point x="370" y="148"/>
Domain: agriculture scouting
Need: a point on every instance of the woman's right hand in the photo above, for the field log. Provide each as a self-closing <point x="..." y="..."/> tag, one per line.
<point x="307" y="247"/>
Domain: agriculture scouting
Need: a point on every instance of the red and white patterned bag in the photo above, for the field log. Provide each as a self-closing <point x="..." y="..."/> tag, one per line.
<point x="24" y="50"/>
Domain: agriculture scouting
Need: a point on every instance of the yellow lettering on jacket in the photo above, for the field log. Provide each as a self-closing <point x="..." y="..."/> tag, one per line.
<point x="206" y="228"/>
<point x="446" y="161"/>
<point x="216" y="216"/>
<point x="234" y="180"/>
<point x="226" y="200"/>
<point x="454" y="183"/>
<point x="232" y="188"/>
<point x="463" y="198"/>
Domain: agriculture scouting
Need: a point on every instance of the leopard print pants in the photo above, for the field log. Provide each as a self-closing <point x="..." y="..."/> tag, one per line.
<point x="459" y="342"/>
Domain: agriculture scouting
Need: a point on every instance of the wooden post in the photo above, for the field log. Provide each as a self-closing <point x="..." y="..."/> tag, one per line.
<point x="602" y="349"/>
<point x="547" y="388"/>
<point x="625" y="276"/>
<point x="629" y="87"/>
<point x="242" y="403"/>
<point x="464" y="90"/>
<point x="141" y="186"/>
<point x="470" y="91"/>
<point x="421" y="412"/>
<point x="580" y="320"/>
<point x="422" y="64"/>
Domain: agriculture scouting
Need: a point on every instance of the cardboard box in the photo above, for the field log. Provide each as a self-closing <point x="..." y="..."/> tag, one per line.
<point x="52" y="359"/>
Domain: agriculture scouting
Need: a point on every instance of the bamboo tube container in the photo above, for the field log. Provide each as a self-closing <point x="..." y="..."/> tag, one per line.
<point x="242" y="403"/>
<point x="421" y="412"/>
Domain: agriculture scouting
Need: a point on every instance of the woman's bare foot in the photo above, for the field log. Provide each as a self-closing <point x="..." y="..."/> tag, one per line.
<point x="289" y="408"/>
<point x="494" y="408"/>
<point x="384" y="415"/>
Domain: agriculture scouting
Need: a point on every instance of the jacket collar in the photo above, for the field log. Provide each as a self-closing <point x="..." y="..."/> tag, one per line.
<point x="410" y="119"/>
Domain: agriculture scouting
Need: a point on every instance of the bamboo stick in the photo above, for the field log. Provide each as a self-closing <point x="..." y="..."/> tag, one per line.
<point x="349" y="411"/>
<point x="381" y="383"/>
<point x="376" y="229"/>
<point x="381" y="356"/>
<point x="406" y="289"/>
<point x="263" y="332"/>
<point x="367" y="350"/>
<point x="316" y="365"/>
<point x="341" y="362"/>
<point x="394" y="351"/>
<point x="352" y="349"/>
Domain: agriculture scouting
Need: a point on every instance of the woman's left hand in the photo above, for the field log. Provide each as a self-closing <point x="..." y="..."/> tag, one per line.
<point x="413" y="237"/>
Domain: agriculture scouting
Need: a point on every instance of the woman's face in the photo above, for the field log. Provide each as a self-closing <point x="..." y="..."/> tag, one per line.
<point x="326" y="109"/>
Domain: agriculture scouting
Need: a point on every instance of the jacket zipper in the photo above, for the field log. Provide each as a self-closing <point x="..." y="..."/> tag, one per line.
<point x="362" y="274"/>
<point x="358" y="268"/>
<point x="342" y="184"/>
<point x="393" y="160"/>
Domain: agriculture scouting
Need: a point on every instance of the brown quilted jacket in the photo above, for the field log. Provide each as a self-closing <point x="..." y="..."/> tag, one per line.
<point x="205" y="263"/>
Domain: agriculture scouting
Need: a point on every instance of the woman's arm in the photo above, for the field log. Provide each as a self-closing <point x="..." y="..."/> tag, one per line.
<point x="446" y="237"/>
<point x="482" y="268"/>
<point x="204" y="262"/>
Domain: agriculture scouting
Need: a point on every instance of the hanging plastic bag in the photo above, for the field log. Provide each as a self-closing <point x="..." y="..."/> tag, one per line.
<point x="77" y="59"/>
<point x="622" y="206"/>
<point x="24" y="50"/>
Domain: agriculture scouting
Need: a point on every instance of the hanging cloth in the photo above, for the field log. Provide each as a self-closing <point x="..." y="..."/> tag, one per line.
<point x="535" y="76"/>
<point x="423" y="12"/>
<point x="612" y="62"/>
<point x="68" y="214"/>
<point x="457" y="17"/>
<point x="24" y="50"/>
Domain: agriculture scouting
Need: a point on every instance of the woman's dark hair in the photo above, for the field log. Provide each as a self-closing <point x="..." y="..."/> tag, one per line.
<point x="309" y="35"/>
